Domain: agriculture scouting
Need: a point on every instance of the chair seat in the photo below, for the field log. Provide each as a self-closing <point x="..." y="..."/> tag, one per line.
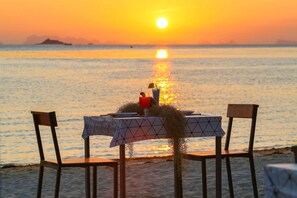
<point x="83" y="162"/>
<point x="212" y="154"/>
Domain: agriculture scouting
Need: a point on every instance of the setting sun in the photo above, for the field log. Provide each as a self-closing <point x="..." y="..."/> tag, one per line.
<point x="162" y="23"/>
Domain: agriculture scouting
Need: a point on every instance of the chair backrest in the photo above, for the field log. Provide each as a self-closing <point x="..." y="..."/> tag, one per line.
<point x="248" y="111"/>
<point x="46" y="119"/>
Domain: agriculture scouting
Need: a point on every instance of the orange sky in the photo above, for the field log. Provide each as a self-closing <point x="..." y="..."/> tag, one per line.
<point x="133" y="21"/>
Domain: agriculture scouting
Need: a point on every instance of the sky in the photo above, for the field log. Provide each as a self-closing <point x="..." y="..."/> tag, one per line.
<point x="134" y="21"/>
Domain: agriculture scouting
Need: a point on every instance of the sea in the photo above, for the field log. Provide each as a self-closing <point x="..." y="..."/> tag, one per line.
<point x="84" y="80"/>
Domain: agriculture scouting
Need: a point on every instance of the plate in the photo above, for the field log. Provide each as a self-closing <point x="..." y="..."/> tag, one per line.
<point x="123" y="114"/>
<point x="187" y="112"/>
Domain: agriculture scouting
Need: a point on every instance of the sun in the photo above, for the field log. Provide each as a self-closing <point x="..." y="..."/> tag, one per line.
<point x="162" y="23"/>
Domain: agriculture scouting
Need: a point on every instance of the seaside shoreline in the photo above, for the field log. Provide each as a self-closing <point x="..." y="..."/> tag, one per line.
<point x="150" y="176"/>
<point x="262" y="152"/>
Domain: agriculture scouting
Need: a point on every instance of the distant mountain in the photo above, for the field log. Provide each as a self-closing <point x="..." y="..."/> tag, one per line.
<point x="56" y="42"/>
<point x="35" y="39"/>
<point x="286" y="42"/>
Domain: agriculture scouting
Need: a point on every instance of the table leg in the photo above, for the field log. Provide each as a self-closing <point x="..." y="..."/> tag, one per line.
<point x="87" y="170"/>
<point x="218" y="167"/>
<point x="178" y="187"/>
<point x="122" y="171"/>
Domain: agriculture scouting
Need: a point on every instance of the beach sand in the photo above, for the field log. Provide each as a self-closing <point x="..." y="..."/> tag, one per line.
<point x="147" y="178"/>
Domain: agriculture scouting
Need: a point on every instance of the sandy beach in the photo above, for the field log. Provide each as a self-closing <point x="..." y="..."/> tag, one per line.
<point x="149" y="177"/>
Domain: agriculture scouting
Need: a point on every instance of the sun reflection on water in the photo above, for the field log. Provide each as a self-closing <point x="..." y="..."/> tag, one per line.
<point x="161" y="149"/>
<point x="162" y="76"/>
<point x="162" y="54"/>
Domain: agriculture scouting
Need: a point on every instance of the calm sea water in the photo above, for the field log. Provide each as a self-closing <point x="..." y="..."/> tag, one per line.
<point x="91" y="80"/>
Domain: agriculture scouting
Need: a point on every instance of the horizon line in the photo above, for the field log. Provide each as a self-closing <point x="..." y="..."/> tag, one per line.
<point x="132" y="45"/>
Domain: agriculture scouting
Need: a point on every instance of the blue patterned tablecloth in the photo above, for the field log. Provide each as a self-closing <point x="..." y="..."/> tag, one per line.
<point x="281" y="180"/>
<point x="130" y="129"/>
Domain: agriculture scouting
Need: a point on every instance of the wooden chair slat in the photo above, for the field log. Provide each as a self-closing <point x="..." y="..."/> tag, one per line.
<point x="241" y="110"/>
<point x="45" y="118"/>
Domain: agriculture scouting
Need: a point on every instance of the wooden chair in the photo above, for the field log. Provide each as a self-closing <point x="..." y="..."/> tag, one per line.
<point x="234" y="111"/>
<point x="49" y="119"/>
<point x="294" y="149"/>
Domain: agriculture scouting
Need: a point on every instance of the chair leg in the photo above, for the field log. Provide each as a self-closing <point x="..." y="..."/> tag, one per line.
<point x="253" y="174"/>
<point x="115" y="182"/>
<point x="228" y="165"/>
<point x="204" y="178"/>
<point x="58" y="178"/>
<point x="94" y="181"/>
<point x="87" y="182"/>
<point x="40" y="179"/>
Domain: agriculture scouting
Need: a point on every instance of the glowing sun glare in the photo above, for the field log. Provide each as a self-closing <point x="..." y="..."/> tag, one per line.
<point x="162" y="23"/>
<point x="162" y="54"/>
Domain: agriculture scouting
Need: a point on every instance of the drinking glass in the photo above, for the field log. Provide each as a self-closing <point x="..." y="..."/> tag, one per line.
<point x="144" y="102"/>
<point x="156" y="95"/>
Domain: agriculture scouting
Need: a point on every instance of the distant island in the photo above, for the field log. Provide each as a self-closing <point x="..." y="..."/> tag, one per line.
<point x="37" y="39"/>
<point x="55" y="42"/>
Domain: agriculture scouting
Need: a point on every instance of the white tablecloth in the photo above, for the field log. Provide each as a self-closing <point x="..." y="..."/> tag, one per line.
<point x="281" y="180"/>
<point x="131" y="129"/>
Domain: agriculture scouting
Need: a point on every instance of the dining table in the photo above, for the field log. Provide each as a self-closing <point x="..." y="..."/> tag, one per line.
<point x="128" y="129"/>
